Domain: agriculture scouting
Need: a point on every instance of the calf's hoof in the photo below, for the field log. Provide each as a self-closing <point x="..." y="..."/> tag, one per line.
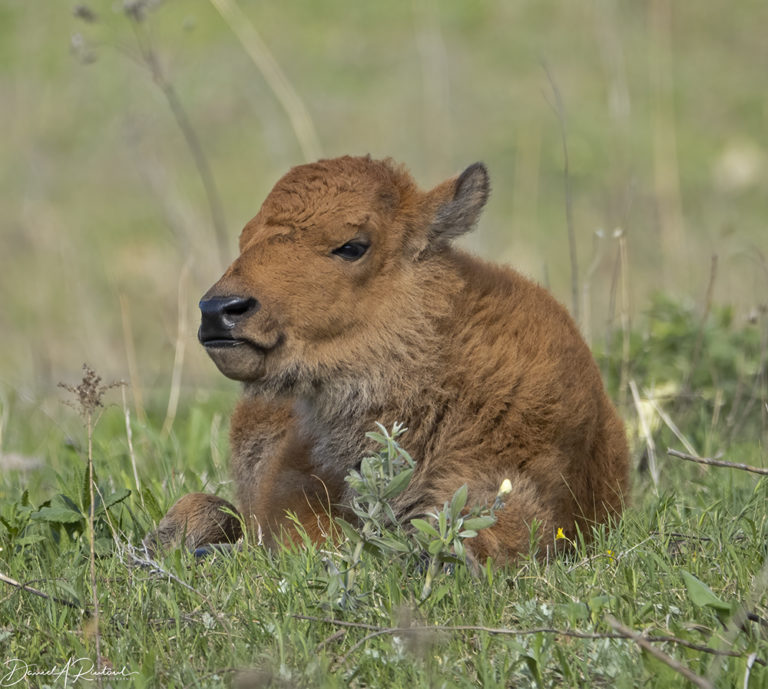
<point x="195" y="520"/>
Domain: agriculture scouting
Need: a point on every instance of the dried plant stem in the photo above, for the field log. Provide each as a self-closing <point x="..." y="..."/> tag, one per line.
<point x="257" y="50"/>
<point x="87" y="400"/>
<point x="646" y="431"/>
<point x="129" y="436"/>
<point x="667" y="419"/>
<point x="92" y="543"/>
<point x="29" y="589"/>
<point x="560" y="111"/>
<point x="143" y="559"/>
<point x="711" y="461"/>
<point x="435" y="84"/>
<point x="665" y="162"/>
<point x="178" y="358"/>
<point x="609" y="321"/>
<point x="625" y="633"/>
<point x="130" y="354"/>
<point x="624" y="316"/>
<point x="668" y="660"/>
<point x="150" y="59"/>
<point x="586" y="288"/>
<point x="696" y="355"/>
<point x="704" y="316"/>
<point x="758" y="381"/>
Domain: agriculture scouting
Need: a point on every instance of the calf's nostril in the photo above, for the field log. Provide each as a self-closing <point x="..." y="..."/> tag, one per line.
<point x="239" y="306"/>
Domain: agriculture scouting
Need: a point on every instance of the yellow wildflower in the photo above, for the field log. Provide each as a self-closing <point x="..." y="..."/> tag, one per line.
<point x="560" y="533"/>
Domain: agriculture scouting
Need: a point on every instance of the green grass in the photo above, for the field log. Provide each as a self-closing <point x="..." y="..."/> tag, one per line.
<point x="685" y="566"/>
<point x="247" y="609"/>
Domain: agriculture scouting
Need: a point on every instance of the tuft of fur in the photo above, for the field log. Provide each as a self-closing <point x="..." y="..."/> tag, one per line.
<point x="488" y="372"/>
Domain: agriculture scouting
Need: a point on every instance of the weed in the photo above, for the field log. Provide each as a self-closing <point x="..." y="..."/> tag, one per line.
<point x="381" y="478"/>
<point x="87" y="400"/>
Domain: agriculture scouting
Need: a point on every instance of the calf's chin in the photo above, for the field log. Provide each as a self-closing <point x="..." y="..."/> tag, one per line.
<point x="241" y="361"/>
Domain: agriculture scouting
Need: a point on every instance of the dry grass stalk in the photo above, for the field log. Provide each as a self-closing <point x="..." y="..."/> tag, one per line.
<point x="668" y="660"/>
<point x="129" y="437"/>
<point x="625" y="322"/>
<point x="178" y="358"/>
<point x="87" y="401"/>
<point x="646" y="432"/>
<point x="289" y="98"/>
<point x="37" y="592"/>
<point x="712" y="461"/>
<point x="151" y="61"/>
<point x="560" y="111"/>
<point x="666" y="166"/>
<point x="133" y="367"/>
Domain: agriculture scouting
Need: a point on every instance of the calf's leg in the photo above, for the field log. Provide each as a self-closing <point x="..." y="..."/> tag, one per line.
<point x="195" y="520"/>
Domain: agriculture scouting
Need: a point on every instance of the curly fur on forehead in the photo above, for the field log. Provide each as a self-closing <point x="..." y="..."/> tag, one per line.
<point x="348" y="186"/>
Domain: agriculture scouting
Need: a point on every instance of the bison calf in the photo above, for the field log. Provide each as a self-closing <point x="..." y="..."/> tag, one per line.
<point x="348" y="305"/>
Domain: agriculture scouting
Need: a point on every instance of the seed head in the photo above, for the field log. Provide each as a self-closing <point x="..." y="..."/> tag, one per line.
<point x="87" y="395"/>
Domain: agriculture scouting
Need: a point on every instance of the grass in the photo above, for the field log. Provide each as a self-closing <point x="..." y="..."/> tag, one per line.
<point x="195" y="623"/>
<point x="683" y="568"/>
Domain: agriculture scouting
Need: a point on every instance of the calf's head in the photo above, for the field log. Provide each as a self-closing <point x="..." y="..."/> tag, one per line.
<point x="336" y="247"/>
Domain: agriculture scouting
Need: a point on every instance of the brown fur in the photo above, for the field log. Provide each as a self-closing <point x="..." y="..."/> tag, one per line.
<point x="488" y="372"/>
<point x="196" y="519"/>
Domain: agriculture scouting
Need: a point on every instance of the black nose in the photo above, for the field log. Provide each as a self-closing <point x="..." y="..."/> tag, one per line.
<point x="221" y="314"/>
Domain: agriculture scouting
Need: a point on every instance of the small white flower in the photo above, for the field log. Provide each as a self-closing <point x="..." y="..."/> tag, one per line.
<point x="506" y="487"/>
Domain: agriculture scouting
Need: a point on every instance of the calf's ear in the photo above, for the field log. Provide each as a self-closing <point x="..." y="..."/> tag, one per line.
<point x="456" y="205"/>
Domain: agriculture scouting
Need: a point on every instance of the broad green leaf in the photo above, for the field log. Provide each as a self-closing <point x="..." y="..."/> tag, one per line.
<point x="434" y="547"/>
<point x="377" y="437"/>
<point x="367" y="470"/>
<point x="58" y="515"/>
<point x="425" y="527"/>
<point x="458" y="502"/>
<point x="442" y="523"/>
<point x="478" y="523"/>
<point x="390" y="544"/>
<point x="398" y="484"/>
<point x="390" y="513"/>
<point x="116" y="497"/>
<point x="458" y="548"/>
<point x="348" y="530"/>
<point x="701" y="595"/>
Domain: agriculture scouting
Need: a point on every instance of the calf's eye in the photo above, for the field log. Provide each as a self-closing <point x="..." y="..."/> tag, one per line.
<point x="351" y="251"/>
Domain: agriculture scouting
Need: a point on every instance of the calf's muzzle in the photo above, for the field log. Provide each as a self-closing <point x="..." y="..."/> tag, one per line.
<point x="220" y="315"/>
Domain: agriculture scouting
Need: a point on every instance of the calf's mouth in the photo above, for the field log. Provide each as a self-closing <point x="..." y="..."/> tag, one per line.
<point x="224" y="343"/>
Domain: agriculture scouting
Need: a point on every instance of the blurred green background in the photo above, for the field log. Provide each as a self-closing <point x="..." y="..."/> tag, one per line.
<point x="107" y="240"/>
